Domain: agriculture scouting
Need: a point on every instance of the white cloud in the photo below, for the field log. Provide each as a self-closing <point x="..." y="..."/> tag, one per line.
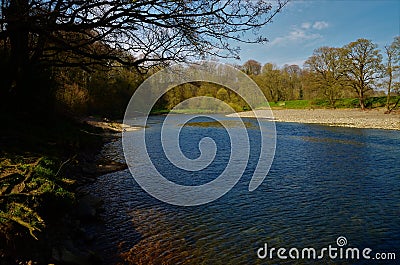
<point x="306" y="25"/>
<point x="299" y="34"/>
<point x="320" y="25"/>
<point x="299" y="62"/>
<point x="296" y="35"/>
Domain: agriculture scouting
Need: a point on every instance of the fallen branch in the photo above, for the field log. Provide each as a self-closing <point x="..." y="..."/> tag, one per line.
<point x="63" y="164"/>
<point x="21" y="222"/>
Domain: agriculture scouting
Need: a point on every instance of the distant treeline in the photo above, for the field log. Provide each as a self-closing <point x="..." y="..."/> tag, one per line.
<point x="357" y="70"/>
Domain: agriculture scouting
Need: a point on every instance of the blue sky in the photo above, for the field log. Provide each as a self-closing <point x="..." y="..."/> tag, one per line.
<point x="303" y="26"/>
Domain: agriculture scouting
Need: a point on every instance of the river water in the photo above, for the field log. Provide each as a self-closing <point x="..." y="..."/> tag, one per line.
<point x="325" y="182"/>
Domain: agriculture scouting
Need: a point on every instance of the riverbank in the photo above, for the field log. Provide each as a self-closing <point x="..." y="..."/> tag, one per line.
<point x="43" y="163"/>
<point x="354" y="118"/>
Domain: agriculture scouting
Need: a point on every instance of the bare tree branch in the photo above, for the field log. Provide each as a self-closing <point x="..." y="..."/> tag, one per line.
<point x="135" y="32"/>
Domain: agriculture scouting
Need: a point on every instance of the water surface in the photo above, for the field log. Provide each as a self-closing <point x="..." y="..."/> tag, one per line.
<point x="325" y="182"/>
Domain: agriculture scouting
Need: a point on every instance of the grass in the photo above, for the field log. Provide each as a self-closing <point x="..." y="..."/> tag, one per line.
<point x="291" y="104"/>
<point x="343" y="103"/>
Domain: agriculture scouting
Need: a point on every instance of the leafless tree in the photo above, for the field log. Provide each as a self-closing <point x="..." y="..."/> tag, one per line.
<point x="126" y="32"/>
<point x="391" y="71"/>
<point x="252" y="67"/>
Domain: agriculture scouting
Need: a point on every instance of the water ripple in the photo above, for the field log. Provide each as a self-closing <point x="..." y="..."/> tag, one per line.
<point x="323" y="183"/>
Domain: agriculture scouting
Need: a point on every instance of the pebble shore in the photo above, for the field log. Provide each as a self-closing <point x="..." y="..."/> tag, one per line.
<point x="354" y="118"/>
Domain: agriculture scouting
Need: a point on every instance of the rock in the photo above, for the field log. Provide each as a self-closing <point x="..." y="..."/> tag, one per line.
<point x="87" y="207"/>
<point x="109" y="166"/>
<point x="69" y="257"/>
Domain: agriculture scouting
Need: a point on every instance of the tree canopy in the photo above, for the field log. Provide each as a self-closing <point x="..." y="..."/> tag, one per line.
<point x="363" y="64"/>
<point x="328" y="64"/>
<point x="137" y="33"/>
<point x="131" y="32"/>
<point x="391" y="70"/>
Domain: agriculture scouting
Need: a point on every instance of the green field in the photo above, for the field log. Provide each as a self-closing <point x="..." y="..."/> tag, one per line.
<point x="343" y="103"/>
<point x="372" y="102"/>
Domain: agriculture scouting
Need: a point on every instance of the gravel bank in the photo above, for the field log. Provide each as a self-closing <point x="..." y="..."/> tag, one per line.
<point x="340" y="117"/>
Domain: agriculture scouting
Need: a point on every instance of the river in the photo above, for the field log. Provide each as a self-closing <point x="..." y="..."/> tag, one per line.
<point x="324" y="183"/>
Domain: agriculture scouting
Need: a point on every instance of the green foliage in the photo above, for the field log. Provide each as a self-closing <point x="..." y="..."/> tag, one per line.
<point x="110" y="91"/>
<point x="328" y="67"/>
<point x="280" y="84"/>
<point x="103" y="91"/>
<point x="377" y="102"/>
<point x="72" y="99"/>
<point x="202" y="89"/>
<point x="22" y="215"/>
<point x="363" y="61"/>
<point x="26" y="186"/>
<point x="349" y="103"/>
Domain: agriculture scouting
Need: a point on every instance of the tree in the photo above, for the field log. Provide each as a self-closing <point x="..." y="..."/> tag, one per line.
<point x="109" y="89"/>
<point x="292" y="84"/>
<point x="311" y="89"/>
<point x="252" y="67"/>
<point x="133" y="33"/>
<point x="222" y="94"/>
<point x="270" y="82"/>
<point x="328" y="65"/>
<point x="391" y="70"/>
<point x="363" y="64"/>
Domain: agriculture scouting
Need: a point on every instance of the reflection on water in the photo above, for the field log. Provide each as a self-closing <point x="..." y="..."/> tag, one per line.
<point x="222" y="124"/>
<point x="325" y="182"/>
<point x="329" y="140"/>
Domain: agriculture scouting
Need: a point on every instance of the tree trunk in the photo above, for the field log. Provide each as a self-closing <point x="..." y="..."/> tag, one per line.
<point x="388" y="92"/>
<point x="17" y="14"/>
<point x="361" y="99"/>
